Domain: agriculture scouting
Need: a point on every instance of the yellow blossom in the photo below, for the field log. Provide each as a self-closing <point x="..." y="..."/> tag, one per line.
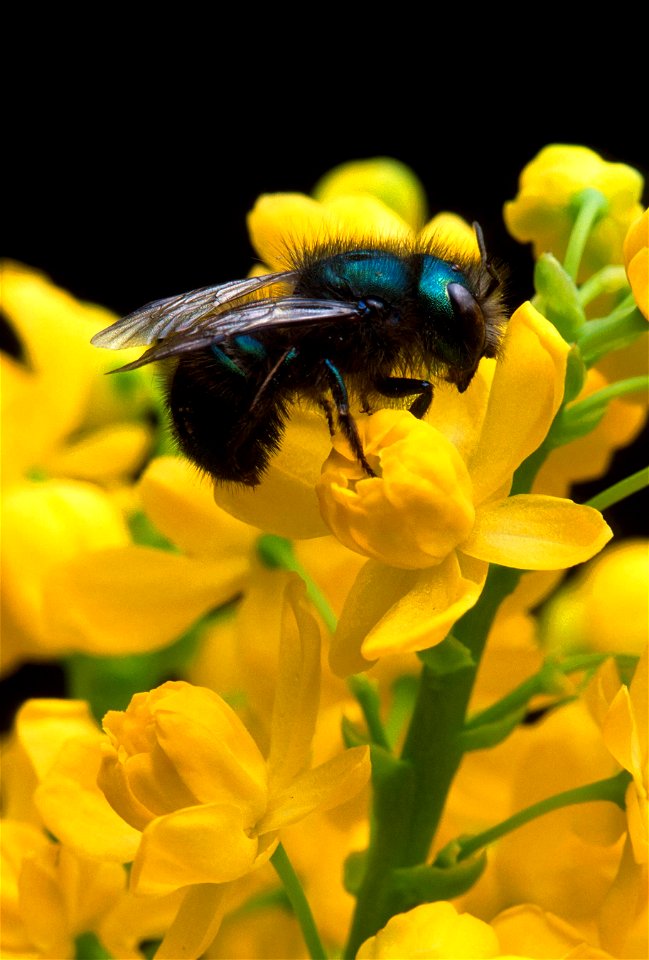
<point x="386" y="179"/>
<point x="49" y="895"/>
<point x="438" y="930"/>
<point x="636" y="261"/>
<point x="586" y="614"/>
<point x="58" y="879"/>
<point x="70" y="437"/>
<point x="543" y="211"/>
<point x="575" y="851"/>
<point x="528" y="931"/>
<point x="60" y="415"/>
<point x="181" y="767"/>
<point x="622" y="712"/>
<point x="431" y="930"/>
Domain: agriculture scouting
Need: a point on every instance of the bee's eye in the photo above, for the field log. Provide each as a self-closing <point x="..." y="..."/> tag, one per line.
<point x="469" y="315"/>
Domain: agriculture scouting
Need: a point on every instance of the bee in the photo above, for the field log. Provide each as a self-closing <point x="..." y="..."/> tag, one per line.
<point x="366" y="324"/>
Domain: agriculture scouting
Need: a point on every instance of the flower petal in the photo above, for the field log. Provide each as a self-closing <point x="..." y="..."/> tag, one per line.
<point x="134" y="599"/>
<point x="326" y="786"/>
<point x="534" y="532"/>
<point x="526" y="392"/>
<point x="46" y="525"/>
<point x="197" y="922"/>
<point x="104" y="456"/>
<point x="281" y="222"/>
<point x="181" y="504"/>
<point x="77" y="813"/>
<point x="203" y="844"/>
<point x="451" y="230"/>
<point x="297" y="696"/>
<point x="390" y="610"/>
<point x="388" y="180"/>
<point x="285" y="502"/>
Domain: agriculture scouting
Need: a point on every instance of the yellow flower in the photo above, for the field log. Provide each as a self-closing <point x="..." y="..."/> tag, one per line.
<point x="438" y="930"/>
<point x="563" y="861"/>
<point x="61" y="416"/>
<point x="528" y="931"/>
<point x="46" y="526"/>
<point x="621" y="712"/>
<point x="386" y="179"/>
<point x="129" y="597"/>
<point x="586" y="614"/>
<point x="63" y="420"/>
<point x="543" y="212"/>
<point x="429" y="931"/>
<point x="49" y="895"/>
<point x="636" y="261"/>
<point x="180" y="766"/>
<point x="59" y="880"/>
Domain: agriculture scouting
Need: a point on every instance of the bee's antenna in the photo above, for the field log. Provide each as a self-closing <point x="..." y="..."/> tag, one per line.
<point x="486" y="262"/>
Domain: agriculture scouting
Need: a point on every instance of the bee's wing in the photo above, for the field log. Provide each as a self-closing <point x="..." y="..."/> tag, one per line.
<point x="248" y="318"/>
<point x="159" y="319"/>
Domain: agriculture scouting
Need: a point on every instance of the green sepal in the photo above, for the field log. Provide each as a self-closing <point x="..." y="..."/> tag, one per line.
<point x="88" y="947"/>
<point x="275" y="552"/>
<point x="582" y="416"/>
<point x="561" y="303"/>
<point x="573" y="422"/>
<point x="607" y="334"/>
<point x="145" y="533"/>
<point x="411" y="886"/>
<point x="366" y="692"/>
<point x="354" y="871"/>
<point x="490" y="734"/>
<point x="450" y="656"/>
<point x="352" y="735"/>
<point x="575" y="374"/>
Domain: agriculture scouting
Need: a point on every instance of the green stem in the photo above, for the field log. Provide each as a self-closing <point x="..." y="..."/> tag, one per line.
<point x="610" y="279"/>
<point x="278" y="552"/>
<point x="409" y="794"/>
<point x="298" y="901"/>
<point x="545" y="681"/>
<point x="602" y="397"/>
<point x="612" y="790"/>
<point x="605" y="334"/>
<point x="365" y="692"/>
<point x="620" y="491"/>
<point x="590" y="205"/>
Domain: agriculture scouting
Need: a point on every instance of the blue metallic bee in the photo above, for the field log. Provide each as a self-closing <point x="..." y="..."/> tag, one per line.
<point x="344" y="325"/>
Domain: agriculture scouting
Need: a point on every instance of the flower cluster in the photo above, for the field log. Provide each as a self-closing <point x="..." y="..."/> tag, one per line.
<point x="349" y="710"/>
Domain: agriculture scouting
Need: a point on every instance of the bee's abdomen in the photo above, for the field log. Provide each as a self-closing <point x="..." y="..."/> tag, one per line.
<point x="221" y="421"/>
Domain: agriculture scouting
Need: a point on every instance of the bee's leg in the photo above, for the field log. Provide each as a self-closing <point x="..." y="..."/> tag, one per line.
<point x="345" y="419"/>
<point x="328" y="412"/>
<point x="406" y="387"/>
<point x="270" y="376"/>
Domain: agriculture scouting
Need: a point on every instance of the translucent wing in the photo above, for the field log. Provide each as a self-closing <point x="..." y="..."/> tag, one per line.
<point x="248" y="318"/>
<point x="160" y="319"/>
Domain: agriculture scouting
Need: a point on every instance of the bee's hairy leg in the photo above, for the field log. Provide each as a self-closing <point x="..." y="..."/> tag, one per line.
<point x="406" y="387"/>
<point x="329" y="414"/>
<point x="345" y="419"/>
